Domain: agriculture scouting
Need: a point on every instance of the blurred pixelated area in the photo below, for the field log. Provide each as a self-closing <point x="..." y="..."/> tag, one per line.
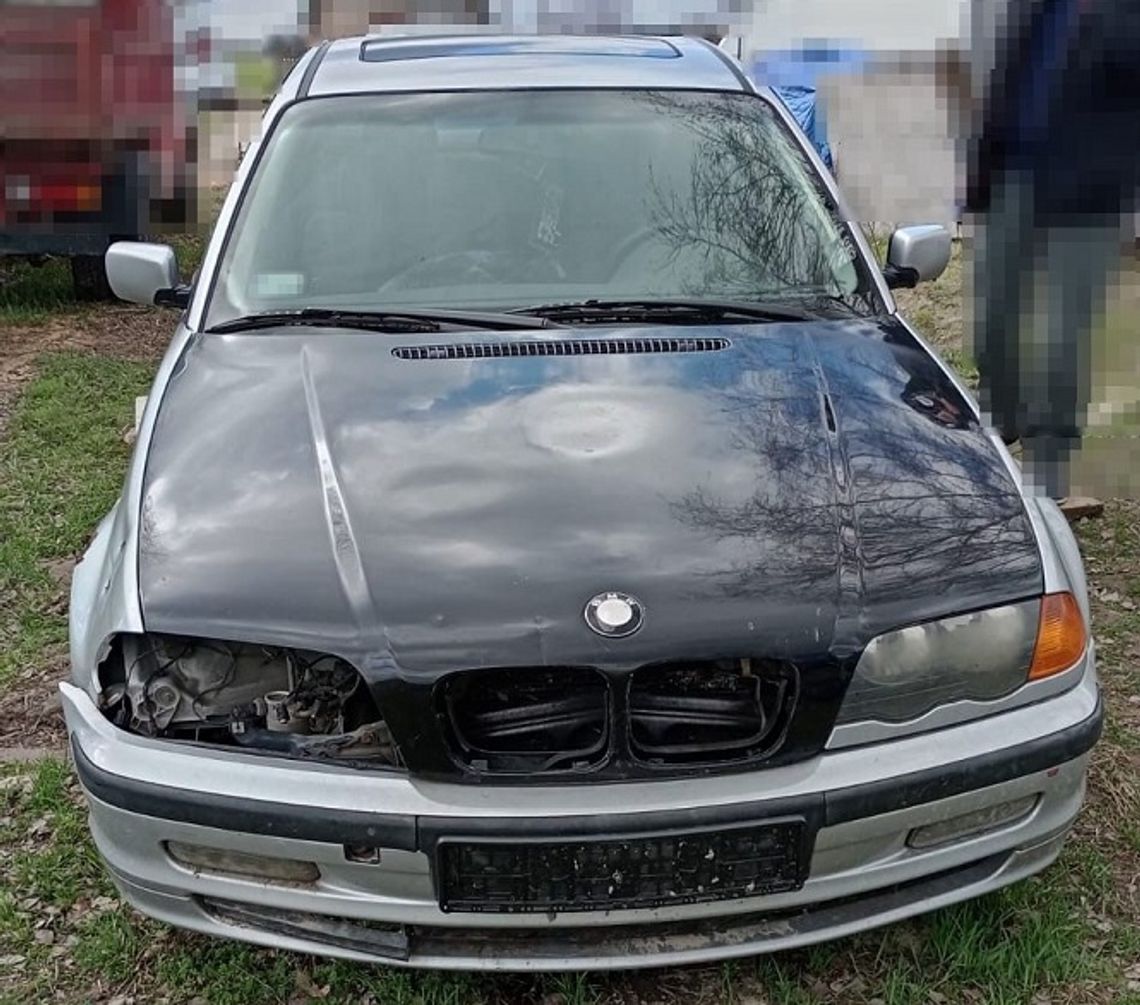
<point x="127" y="118"/>
<point x="1049" y="161"/>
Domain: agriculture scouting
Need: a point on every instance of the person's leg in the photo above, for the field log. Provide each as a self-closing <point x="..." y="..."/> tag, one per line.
<point x="1002" y="292"/>
<point x="1079" y="262"/>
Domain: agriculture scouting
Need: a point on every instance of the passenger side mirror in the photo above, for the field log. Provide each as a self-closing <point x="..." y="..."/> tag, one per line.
<point x="917" y="255"/>
<point x="145" y="274"/>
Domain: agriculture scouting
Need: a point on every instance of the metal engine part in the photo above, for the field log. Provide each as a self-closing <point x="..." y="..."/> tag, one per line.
<point x="298" y="703"/>
<point x="172" y="681"/>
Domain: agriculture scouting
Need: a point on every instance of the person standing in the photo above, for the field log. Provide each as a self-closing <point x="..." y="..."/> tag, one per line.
<point x="1051" y="174"/>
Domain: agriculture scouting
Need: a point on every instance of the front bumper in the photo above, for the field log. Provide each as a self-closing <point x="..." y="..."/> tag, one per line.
<point x="865" y="801"/>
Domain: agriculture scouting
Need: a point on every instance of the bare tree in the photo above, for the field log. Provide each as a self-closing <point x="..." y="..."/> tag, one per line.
<point x="900" y="497"/>
<point x="752" y="207"/>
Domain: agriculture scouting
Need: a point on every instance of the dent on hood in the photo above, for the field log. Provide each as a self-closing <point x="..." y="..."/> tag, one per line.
<point x="487" y="500"/>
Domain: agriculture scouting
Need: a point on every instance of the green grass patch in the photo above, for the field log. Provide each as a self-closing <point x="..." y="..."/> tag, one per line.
<point x="29" y="293"/>
<point x="1033" y="938"/>
<point x="63" y="870"/>
<point x="61" y="468"/>
<point x="110" y="944"/>
<point x="226" y="973"/>
<point x="189" y="249"/>
<point x="257" y="76"/>
<point x="64" y="865"/>
<point x="15" y="925"/>
<point x="575" y="988"/>
<point x="783" y="982"/>
<point x="49" y="789"/>
<point x="1008" y="946"/>
<point x="904" y="984"/>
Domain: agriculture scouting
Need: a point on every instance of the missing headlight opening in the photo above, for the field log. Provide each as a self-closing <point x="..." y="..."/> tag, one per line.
<point x="293" y="702"/>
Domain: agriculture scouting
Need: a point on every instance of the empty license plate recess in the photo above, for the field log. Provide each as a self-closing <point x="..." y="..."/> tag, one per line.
<point x="632" y="871"/>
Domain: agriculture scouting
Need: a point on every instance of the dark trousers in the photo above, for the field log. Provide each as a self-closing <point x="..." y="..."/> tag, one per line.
<point x="1039" y="291"/>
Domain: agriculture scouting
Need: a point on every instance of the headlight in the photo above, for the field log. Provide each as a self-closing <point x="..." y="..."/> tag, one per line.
<point x="981" y="656"/>
<point x="293" y="702"/>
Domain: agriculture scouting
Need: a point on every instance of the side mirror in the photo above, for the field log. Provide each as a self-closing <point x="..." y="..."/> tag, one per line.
<point x="145" y="274"/>
<point x="917" y="255"/>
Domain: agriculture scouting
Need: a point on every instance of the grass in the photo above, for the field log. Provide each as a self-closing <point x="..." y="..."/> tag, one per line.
<point x="1044" y="943"/>
<point x="29" y="292"/>
<point x="189" y="249"/>
<point x="257" y="76"/>
<point x="61" y="468"/>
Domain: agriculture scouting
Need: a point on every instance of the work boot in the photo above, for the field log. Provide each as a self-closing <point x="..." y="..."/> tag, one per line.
<point x="1080" y="507"/>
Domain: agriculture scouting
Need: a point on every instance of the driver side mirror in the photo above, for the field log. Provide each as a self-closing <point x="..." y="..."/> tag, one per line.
<point x="147" y="274"/>
<point x="917" y="255"/>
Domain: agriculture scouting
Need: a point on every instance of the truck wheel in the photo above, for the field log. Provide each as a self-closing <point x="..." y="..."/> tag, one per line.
<point x="89" y="278"/>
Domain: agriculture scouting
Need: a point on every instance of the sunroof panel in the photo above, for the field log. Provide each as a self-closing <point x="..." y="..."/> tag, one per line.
<point x="385" y="51"/>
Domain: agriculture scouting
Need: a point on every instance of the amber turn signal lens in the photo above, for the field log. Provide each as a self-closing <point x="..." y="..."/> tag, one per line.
<point x="1061" y="636"/>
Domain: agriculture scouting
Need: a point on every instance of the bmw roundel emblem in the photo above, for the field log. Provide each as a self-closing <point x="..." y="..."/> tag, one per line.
<point x="614" y="615"/>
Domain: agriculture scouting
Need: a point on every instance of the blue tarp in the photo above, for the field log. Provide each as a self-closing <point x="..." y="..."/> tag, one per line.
<point x="794" y="75"/>
<point x="803" y="103"/>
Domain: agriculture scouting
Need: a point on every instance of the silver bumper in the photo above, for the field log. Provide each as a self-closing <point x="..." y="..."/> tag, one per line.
<point x="146" y="793"/>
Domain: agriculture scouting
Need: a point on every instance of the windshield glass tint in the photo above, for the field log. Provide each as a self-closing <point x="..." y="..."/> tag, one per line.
<point x="508" y="199"/>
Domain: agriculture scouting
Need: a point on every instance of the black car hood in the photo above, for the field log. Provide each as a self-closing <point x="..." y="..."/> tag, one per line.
<point x="796" y="493"/>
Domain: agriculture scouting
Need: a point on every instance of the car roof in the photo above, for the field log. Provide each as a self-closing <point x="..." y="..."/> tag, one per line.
<point x="476" y="62"/>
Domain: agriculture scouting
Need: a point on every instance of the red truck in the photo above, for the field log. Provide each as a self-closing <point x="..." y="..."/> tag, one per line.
<point x="94" y="136"/>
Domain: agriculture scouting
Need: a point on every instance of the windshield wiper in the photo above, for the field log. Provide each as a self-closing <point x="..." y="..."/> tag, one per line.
<point x="680" y="312"/>
<point x="379" y="321"/>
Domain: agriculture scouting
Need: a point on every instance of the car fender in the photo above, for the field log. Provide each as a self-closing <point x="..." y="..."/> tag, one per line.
<point x="1061" y="540"/>
<point x="104" y="588"/>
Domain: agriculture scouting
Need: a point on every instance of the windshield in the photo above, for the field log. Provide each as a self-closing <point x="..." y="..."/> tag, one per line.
<point x="514" y="198"/>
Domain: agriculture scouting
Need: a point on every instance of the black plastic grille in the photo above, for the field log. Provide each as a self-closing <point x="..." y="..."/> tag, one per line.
<point x="622" y="872"/>
<point x="710" y="712"/>
<point x="527" y="719"/>
<point x="560" y="347"/>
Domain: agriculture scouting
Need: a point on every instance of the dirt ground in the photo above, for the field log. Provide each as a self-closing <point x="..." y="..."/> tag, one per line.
<point x="137" y="333"/>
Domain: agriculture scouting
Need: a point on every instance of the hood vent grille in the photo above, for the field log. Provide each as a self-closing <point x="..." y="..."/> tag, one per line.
<point x="560" y="347"/>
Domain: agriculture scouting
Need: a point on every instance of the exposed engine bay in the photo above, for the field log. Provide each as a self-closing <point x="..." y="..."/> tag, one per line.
<point x="292" y="702"/>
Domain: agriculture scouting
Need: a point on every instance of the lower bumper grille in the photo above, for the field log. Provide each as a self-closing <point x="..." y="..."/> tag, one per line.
<point x="374" y="938"/>
<point x="623" y="872"/>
